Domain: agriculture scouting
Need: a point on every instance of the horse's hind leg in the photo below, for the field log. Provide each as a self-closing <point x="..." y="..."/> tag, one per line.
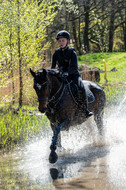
<point x="98" y="117"/>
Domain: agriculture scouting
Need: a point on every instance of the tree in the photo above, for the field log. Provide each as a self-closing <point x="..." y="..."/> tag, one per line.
<point x="23" y="30"/>
<point x="92" y="23"/>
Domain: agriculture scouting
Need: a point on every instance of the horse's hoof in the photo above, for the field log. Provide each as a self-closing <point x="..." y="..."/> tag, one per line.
<point x="53" y="157"/>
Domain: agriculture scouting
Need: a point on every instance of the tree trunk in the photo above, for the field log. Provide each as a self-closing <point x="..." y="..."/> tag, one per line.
<point x="79" y="36"/>
<point x="12" y="69"/>
<point x="74" y="33"/>
<point x="12" y="76"/>
<point x="86" y="29"/>
<point x="20" y="61"/>
<point x="125" y="37"/>
<point x="125" y="27"/>
<point x="79" y="33"/>
<point x="111" y="30"/>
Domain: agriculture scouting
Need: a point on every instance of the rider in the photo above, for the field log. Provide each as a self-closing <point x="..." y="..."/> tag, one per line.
<point x="65" y="57"/>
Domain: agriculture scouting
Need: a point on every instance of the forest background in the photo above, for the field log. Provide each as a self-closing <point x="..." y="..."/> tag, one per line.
<point x="27" y="37"/>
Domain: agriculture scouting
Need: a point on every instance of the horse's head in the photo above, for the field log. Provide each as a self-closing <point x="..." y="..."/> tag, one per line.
<point x="41" y="88"/>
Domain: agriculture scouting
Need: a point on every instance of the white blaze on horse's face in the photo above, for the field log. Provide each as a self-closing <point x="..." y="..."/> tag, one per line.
<point x="42" y="93"/>
<point x="39" y="86"/>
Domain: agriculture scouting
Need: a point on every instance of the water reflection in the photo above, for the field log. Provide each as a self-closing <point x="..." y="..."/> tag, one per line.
<point x="71" y="165"/>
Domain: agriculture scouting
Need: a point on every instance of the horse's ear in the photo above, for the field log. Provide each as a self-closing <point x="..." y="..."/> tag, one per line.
<point x="44" y="72"/>
<point x="32" y="73"/>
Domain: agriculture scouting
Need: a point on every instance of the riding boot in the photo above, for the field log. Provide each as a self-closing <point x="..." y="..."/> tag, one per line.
<point x="85" y="106"/>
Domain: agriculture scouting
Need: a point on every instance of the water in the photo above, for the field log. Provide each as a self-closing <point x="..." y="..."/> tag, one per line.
<point x="85" y="163"/>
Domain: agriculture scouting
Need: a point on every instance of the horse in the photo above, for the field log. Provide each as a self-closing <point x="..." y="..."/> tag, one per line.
<point x="56" y="99"/>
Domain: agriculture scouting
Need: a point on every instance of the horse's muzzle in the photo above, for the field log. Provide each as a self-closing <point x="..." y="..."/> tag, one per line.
<point x="43" y="110"/>
<point x="42" y="107"/>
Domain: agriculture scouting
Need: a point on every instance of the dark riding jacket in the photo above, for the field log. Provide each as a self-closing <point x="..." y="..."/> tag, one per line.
<point x="66" y="59"/>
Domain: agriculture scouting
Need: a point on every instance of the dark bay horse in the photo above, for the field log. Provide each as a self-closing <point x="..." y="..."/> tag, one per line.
<point x="57" y="101"/>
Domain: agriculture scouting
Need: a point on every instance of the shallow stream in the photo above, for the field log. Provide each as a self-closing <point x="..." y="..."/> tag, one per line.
<point x="85" y="163"/>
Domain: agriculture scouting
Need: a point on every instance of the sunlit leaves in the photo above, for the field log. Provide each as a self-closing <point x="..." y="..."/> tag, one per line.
<point x="25" y="21"/>
<point x="33" y="20"/>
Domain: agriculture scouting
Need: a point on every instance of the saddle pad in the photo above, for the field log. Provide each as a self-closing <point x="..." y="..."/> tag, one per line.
<point x="90" y="95"/>
<point x="74" y="90"/>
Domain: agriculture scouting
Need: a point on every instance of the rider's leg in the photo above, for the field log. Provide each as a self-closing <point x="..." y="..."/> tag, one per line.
<point x="85" y="102"/>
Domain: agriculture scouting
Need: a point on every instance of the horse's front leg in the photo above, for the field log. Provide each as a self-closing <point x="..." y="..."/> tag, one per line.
<point x="59" y="135"/>
<point x="53" y="156"/>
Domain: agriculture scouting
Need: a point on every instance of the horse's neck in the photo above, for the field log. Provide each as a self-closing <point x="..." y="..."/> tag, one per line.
<point x="54" y="85"/>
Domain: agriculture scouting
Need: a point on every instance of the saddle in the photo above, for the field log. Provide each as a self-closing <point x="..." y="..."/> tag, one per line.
<point x="77" y="94"/>
<point x="74" y="90"/>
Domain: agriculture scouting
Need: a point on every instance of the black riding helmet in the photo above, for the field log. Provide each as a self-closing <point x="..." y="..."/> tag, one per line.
<point x="63" y="34"/>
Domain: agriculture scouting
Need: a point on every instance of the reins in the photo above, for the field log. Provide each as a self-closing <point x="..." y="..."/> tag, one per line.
<point x="68" y="84"/>
<point x="54" y="96"/>
<point x="54" y="100"/>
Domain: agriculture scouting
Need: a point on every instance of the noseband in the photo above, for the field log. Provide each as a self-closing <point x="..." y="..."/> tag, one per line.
<point x="42" y="99"/>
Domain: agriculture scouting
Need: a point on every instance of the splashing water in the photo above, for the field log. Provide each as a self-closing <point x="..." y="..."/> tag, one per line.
<point x="80" y="152"/>
<point x="116" y="135"/>
<point x="78" y="146"/>
<point x="116" y="122"/>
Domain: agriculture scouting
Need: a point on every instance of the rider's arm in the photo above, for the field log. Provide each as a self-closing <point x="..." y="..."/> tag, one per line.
<point x="53" y="61"/>
<point x="73" y="68"/>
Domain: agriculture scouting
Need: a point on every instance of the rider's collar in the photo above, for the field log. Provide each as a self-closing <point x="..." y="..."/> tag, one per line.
<point x="63" y="49"/>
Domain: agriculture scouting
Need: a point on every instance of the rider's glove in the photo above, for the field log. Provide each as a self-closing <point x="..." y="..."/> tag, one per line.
<point x="60" y="70"/>
<point x="65" y="75"/>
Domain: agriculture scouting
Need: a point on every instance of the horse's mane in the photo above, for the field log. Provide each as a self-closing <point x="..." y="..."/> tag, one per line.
<point x="54" y="73"/>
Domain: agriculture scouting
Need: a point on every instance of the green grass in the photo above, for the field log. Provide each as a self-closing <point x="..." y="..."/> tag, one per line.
<point x="15" y="128"/>
<point x="115" y="86"/>
<point x="117" y="60"/>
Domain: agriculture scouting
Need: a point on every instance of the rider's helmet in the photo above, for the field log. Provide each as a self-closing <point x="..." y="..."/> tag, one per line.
<point x="63" y="34"/>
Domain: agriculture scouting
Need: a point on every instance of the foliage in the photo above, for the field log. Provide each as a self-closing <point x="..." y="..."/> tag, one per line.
<point x="32" y="20"/>
<point x="114" y="93"/>
<point x="94" y="25"/>
<point x="19" y="126"/>
<point x="23" y="27"/>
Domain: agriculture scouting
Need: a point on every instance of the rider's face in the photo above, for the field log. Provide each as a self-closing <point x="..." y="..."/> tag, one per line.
<point x="62" y="42"/>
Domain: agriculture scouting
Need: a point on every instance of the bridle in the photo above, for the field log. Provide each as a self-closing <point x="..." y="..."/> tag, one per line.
<point x="55" y="98"/>
<point x="40" y="99"/>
